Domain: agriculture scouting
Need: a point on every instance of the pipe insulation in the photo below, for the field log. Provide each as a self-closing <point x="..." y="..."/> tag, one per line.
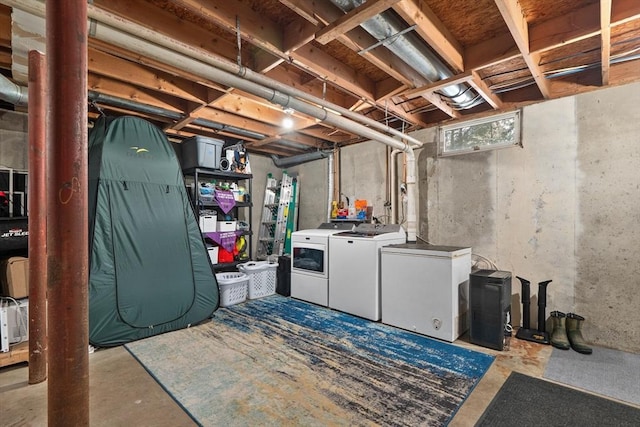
<point x="287" y="162"/>
<point x="13" y="93"/>
<point x="36" y="7"/>
<point x="184" y="57"/>
<point x="330" y="185"/>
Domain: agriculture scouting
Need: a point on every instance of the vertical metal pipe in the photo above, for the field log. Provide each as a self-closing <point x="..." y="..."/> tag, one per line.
<point x="37" y="204"/>
<point x="330" y="186"/>
<point x="67" y="237"/>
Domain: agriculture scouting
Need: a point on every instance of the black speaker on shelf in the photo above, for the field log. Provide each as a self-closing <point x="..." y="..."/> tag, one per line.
<point x="225" y="164"/>
<point x="490" y="308"/>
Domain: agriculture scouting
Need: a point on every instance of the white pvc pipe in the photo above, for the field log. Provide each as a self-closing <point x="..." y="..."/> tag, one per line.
<point x="394" y="186"/>
<point x="330" y="186"/>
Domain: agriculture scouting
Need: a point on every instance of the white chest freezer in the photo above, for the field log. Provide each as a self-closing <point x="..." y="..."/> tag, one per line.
<point x="425" y="289"/>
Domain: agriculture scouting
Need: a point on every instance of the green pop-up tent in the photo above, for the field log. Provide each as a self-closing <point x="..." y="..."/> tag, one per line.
<point x="149" y="268"/>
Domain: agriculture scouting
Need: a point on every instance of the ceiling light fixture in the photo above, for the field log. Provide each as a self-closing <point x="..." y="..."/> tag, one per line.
<point x="287" y="122"/>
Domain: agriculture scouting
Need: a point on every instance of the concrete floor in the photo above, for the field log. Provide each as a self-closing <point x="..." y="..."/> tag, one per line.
<point x="122" y="393"/>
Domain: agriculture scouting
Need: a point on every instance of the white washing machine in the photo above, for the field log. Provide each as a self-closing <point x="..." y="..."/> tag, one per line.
<point x="354" y="267"/>
<point x="310" y="262"/>
<point x="425" y="289"/>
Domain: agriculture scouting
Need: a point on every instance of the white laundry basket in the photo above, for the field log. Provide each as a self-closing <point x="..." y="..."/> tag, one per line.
<point x="262" y="277"/>
<point x="233" y="288"/>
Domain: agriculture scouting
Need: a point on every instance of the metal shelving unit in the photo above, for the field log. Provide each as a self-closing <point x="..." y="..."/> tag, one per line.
<point x="200" y="174"/>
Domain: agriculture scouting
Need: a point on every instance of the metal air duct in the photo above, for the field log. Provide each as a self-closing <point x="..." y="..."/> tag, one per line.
<point x="13" y="93"/>
<point x="387" y="27"/>
<point x="287" y="162"/>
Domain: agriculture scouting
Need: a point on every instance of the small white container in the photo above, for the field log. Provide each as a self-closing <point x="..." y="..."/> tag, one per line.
<point x="213" y="254"/>
<point x="226" y="226"/>
<point x="208" y="223"/>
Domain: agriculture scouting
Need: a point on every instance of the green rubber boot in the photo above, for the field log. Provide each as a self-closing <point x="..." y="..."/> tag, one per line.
<point x="558" y="331"/>
<point x="574" y="326"/>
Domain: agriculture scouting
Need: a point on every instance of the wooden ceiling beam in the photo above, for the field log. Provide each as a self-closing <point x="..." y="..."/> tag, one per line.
<point x="330" y="69"/>
<point x="514" y="18"/>
<point x="359" y="40"/>
<point x="156" y="65"/>
<point x="312" y="87"/>
<point x="133" y="93"/>
<point x="491" y="52"/>
<point x="297" y="34"/>
<point x="253" y="27"/>
<point x="483" y="89"/>
<point x="579" y="24"/>
<point x="223" y="117"/>
<point x="435" y="99"/>
<point x="291" y="137"/>
<point x="120" y="69"/>
<point x="170" y="25"/>
<point x="5" y="26"/>
<point x="353" y="19"/>
<point x="5" y="59"/>
<point x="433" y="31"/>
<point x="623" y="11"/>
<point x="440" y="84"/>
<point x="605" y="40"/>
<point x="243" y="105"/>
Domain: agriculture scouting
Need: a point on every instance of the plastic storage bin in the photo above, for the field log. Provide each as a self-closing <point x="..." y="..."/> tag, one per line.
<point x="203" y="152"/>
<point x="213" y="253"/>
<point x="226" y="226"/>
<point x="262" y="277"/>
<point x="208" y="223"/>
<point x="233" y="288"/>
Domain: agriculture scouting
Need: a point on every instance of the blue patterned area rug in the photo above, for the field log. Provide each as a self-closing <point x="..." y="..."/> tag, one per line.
<point x="280" y="361"/>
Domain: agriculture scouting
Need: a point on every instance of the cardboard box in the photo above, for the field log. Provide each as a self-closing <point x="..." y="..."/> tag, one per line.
<point x="208" y="223"/>
<point x="14" y="275"/>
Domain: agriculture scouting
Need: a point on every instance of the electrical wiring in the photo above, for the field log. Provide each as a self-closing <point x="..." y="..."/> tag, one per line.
<point x="423" y="240"/>
<point x="486" y="260"/>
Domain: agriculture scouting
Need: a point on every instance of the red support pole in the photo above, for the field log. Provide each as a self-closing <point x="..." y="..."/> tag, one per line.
<point x="67" y="225"/>
<point x="37" y="204"/>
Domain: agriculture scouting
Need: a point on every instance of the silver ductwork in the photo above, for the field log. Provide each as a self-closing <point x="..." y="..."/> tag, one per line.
<point x="287" y="162"/>
<point x="388" y="28"/>
<point x="210" y="67"/>
<point x="13" y="93"/>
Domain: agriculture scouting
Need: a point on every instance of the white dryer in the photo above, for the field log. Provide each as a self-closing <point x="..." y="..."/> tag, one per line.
<point x="354" y="267"/>
<point x="310" y="262"/>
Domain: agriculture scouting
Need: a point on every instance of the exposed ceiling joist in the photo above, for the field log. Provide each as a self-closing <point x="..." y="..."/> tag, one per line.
<point x="514" y="18"/>
<point x="353" y="19"/>
<point x="433" y="31"/>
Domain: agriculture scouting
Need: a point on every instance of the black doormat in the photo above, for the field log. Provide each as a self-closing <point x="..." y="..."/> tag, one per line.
<point x="527" y="401"/>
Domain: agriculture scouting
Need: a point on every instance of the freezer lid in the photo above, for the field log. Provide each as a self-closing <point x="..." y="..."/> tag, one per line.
<point x="416" y="248"/>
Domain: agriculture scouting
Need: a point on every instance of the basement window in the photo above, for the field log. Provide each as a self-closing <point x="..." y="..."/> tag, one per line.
<point x="487" y="133"/>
